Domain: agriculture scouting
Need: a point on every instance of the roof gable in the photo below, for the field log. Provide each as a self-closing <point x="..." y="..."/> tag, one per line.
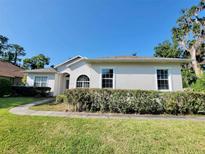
<point x="70" y="60"/>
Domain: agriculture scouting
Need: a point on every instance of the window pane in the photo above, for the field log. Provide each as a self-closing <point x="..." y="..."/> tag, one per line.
<point x="162" y="79"/>
<point x="83" y="81"/>
<point x="86" y="84"/>
<point x="107" y="83"/>
<point x="83" y="78"/>
<point x="36" y="84"/>
<point x="163" y="84"/>
<point x="43" y="85"/>
<point x="79" y="85"/>
<point x="107" y="73"/>
<point x="107" y="78"/>
<point x="40" y="81"/>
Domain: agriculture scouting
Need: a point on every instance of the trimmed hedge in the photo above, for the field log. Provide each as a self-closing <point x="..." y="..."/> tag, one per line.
<point x="61" y="99"/>
<point x="5" y="87"/>
<point x="31" y="91"/>
<point x="136" y="101"/>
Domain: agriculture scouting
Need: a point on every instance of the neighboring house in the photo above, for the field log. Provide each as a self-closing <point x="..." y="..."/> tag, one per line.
<point x="125" y="72"/>
<point x="11" y="72"/>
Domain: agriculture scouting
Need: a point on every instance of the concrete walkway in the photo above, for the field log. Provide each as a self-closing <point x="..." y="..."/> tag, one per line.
<point x="24" y="110"/>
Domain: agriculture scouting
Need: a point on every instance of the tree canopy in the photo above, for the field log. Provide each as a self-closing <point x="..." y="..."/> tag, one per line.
<point x="3" y="45"/>
<point x="188" y="41"/>
<point x="168" y="50"/>
<point x="13" y="53"/>
<point x="36" y="62"/>
<point x="10" y="52"/>
<point x="17" y="51"/>
<point x="189" y="33"/>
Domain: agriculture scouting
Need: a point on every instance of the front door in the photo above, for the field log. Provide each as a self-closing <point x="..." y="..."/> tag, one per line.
<point x="67" y="84"/>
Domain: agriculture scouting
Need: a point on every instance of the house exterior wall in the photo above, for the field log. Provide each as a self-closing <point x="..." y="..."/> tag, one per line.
<point x="138" y="76"/>
<point x="75" y="70"/>
<point x="50" y="82"/>
<point x="126" y="76"/>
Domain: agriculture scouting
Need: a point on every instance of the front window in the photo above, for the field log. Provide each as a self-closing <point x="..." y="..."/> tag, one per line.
<point x="162" y="79"/>
<point x="107" y="78"/>
<point x="40" y="81"/>
<point x="83" y="81"/>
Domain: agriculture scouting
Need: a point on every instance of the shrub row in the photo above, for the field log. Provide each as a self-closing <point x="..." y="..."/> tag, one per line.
<point x="5" y="87"/>
<point x="30" y="91"/>
<point x="136" y="101"/>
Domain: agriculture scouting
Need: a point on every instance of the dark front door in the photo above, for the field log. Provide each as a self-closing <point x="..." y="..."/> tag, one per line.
<point x="67" y="84"/>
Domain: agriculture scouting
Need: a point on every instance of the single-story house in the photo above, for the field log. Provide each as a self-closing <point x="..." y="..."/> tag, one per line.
<point x="120" y="72"/>
<point x="11" y="72"/>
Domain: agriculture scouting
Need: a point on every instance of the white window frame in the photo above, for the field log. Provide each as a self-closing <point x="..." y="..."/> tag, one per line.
<point x="169" y="78"/>
<point x="113" y="81"/>
<point x="41" y="76"/>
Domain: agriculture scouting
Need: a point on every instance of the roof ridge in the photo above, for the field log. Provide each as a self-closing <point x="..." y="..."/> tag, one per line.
<point x="136" y="57"/>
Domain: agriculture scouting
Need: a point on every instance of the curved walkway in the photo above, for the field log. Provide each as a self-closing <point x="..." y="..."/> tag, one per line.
<point x="24" y="110"/>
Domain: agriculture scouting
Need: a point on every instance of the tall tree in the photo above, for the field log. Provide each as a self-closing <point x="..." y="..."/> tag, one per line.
<point x="168" y="50"/>
<point x="10" y="52"/>
<point x="190" y="35"/>
<point x="3" y="45"/>
<point x="36" y="62"/>
<point x="17" y="51"/>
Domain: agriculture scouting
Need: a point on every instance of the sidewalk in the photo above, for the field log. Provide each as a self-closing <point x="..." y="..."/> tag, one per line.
<point x="24" y="110"/>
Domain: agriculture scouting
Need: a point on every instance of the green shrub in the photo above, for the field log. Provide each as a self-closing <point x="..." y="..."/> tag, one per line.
<point x="31" y="91"/>
<point x="199" y="86"/>
<point x="61" y="99"/>
<point x="184" y="102"/>
<point x="136" y="101"/>
<point x="188" y="77"/>
<point x="5" y="87"/>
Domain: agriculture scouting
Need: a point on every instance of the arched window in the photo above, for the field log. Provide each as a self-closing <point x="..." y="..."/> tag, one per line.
<point x="83" y="81"/>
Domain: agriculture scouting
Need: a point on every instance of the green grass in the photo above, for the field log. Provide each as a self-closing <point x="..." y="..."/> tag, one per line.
<point x="53" y="106"/>
<point x="32" y="134"/>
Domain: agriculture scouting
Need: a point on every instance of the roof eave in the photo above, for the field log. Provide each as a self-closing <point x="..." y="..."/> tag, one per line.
<point x="31" y="71"/>
<point x="7" y="76"/>
<point x="181" y="61"/>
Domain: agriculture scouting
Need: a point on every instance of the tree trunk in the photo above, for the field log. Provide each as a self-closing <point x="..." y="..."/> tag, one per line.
<point x="15" y="58"/>
<point x="197" y="68"/>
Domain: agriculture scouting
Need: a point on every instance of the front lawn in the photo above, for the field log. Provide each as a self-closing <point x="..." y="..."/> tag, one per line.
<point x="33" y="134"/>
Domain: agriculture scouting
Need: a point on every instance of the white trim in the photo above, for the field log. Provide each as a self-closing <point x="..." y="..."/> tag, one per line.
<point x="75" y="62"/>
<point x="78" y="56"/>
<point x="169" y="77"/>
<point x="107" y="67"/>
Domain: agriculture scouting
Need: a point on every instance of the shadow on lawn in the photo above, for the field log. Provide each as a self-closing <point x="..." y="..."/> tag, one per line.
<point x="10" y="102"/>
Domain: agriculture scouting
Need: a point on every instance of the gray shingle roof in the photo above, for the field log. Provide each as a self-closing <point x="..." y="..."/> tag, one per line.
<point x="139" y="59"/>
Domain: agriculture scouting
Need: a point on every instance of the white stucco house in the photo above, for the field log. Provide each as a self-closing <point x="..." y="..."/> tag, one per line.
<point x="121" y="72"/>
